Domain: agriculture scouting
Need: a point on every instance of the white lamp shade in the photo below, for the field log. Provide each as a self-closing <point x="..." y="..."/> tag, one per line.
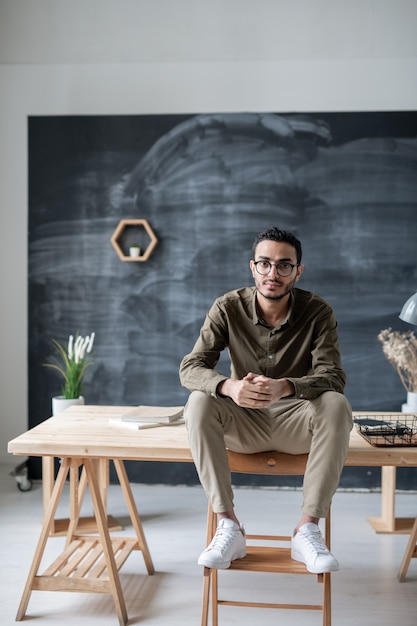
<point x="409" y="310"/>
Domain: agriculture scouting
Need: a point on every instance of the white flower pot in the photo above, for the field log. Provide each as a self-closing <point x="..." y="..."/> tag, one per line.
<point x="134" y="251"/>
<point x="59" y="403"/>
<point x="411" y="405"/>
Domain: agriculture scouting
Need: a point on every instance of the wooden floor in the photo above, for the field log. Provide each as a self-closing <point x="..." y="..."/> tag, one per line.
<point x="365" y="590"/>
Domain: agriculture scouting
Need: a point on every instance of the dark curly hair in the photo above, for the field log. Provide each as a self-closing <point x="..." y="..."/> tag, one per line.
<point x="275" y="234"/>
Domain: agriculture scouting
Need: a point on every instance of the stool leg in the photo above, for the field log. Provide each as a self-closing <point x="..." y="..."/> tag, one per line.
<point x="327" y="580"/>
<point x="209" y="576"/>
<point x="215" y="597"/>
<point x="327" y="599"/>
<point x="327" y="529"/>
<point x="206" y="596"/>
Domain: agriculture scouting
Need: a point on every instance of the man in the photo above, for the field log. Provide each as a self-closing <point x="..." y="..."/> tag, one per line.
<point x="285" y="393"/>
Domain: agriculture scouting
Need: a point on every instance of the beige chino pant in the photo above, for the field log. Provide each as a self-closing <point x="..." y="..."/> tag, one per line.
<point x="320" y="427"/>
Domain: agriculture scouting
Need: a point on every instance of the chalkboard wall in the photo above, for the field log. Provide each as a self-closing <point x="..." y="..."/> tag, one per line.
<point x="344" y="183"/>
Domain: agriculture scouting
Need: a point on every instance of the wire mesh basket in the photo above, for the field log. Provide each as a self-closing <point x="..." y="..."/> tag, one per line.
<point x="388" y="430"/>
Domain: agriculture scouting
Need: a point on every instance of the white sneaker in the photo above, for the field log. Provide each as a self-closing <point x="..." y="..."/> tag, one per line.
<point x="228" y="544"/>
<point x="308" y="547"/>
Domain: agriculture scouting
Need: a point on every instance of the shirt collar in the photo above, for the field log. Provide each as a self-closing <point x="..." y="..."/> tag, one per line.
<point x="257" y="320"/>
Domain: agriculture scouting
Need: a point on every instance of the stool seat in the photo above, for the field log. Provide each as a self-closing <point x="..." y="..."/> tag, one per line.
<point x="267" y="463"/>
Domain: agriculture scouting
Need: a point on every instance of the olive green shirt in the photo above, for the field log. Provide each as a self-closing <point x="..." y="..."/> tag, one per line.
<point x="303" y="349"/>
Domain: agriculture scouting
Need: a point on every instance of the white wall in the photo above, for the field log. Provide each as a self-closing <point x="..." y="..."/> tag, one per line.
<point x="175" y="56"/>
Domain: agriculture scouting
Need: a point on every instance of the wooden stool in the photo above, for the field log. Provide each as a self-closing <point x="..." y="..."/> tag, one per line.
<point x="410" y="552"/>
<point x="264" y="558"/>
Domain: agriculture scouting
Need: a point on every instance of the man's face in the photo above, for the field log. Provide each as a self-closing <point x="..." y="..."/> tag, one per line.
<point x="272" y="286"/>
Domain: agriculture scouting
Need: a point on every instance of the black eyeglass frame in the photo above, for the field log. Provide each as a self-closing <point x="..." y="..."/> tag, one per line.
<point x="276" y="265"/>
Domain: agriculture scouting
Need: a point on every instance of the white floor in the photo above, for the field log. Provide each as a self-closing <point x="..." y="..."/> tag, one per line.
<point x="365" y="591"/>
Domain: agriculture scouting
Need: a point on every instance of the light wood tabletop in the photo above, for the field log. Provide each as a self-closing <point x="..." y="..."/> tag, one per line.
<point x="87" y="431"/>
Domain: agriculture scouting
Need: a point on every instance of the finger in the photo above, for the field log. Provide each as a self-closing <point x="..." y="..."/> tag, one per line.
<point x="260" y="378"/>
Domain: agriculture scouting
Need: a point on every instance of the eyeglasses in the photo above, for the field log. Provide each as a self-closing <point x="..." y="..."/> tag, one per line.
<point x="283" y="269"/>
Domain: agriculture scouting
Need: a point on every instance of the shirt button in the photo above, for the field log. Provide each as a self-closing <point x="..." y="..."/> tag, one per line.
<point x="271" y="356"/>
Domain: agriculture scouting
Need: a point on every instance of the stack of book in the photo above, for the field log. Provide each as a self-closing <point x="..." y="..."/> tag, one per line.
<point x="144" y="416"/>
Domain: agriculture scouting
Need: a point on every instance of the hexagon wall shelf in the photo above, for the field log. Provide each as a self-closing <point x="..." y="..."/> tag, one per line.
<point x="129" y="230"/>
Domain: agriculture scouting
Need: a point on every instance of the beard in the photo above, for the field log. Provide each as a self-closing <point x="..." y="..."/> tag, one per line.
<point x="272" y="296"/>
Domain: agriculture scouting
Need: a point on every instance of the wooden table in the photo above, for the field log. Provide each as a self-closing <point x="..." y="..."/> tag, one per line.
<point x="387" y="522"/>
<point x="84" y="436"/>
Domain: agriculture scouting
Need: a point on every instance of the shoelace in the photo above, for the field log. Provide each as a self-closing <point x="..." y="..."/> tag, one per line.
<point x="315" y="542"/>
<point x="222" y="539"/>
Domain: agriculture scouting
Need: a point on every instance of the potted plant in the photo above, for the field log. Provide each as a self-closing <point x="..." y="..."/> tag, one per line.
<point x="71" y="365"/>
<point x="400" y="350"/>
<point x="134" y="250"/>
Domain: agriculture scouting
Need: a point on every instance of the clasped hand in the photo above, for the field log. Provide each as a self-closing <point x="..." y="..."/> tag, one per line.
<point x="256" y="391"/>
